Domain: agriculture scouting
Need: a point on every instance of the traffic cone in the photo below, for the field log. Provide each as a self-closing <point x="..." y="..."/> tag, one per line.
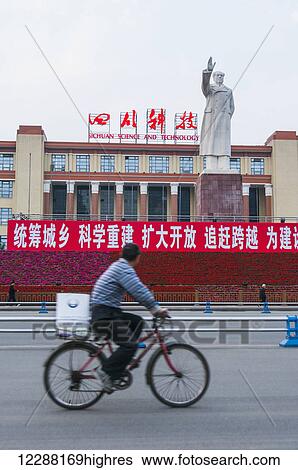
<point x="291" y="339"/>
<point x="208" y="307"/>
<point x="43" y="308"/>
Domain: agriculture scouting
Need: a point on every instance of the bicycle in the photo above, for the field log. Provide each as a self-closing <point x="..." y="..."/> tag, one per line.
<point x="177" y="373"/>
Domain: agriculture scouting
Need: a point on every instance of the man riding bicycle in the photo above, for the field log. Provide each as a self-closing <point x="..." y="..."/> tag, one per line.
<point x="124" y="328"/>
<point x="177" y="373"/>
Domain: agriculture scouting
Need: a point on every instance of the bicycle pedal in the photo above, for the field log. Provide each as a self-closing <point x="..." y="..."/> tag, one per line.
<point x="75" y="387"/>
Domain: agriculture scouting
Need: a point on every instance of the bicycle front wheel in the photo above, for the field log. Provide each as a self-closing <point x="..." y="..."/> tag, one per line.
<point x="187" y="384"/>
<point x="70" y="375"/>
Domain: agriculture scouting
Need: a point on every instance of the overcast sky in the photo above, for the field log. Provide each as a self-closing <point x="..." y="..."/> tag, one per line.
<point x="118" y="55"/>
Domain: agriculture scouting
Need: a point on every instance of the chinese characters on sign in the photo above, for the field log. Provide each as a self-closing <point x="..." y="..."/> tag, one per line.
<point x="152" y="236"/>
<point x="185" y="127"/>
<point x="128" y="120"/>
<point x="156" y="121"/>
<point x="186" y="121"/>
<point x="102" y="119"/>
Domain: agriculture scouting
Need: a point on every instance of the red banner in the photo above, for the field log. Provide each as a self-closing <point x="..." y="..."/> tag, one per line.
<point x="61" y="235"/>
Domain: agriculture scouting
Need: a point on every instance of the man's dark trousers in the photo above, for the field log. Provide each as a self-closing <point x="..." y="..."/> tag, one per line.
<point x="262" y="295"/>
<point x="124" y="329"/>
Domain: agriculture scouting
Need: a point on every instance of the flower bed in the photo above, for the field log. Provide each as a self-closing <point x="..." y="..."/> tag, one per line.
<point x="218" y="275"/>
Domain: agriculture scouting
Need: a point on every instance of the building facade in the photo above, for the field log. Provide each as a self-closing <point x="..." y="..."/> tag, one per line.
<point x="130" y="181"/>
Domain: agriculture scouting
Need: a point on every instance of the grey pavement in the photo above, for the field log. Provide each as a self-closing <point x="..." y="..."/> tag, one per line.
<point x="251" y="403"/>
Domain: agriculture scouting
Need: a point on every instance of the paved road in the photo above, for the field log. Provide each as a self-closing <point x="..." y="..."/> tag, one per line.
<point x="228" y="417"/>
<point x="251" y="403"/>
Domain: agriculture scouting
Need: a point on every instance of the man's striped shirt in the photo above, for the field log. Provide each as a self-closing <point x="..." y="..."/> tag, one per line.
<point x="119" y="278"/>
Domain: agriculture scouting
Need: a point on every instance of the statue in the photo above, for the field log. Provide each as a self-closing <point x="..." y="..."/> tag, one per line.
<point x="216" y="126"/>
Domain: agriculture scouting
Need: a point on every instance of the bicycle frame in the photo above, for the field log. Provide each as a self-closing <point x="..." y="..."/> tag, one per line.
<point x="156" y="338"/>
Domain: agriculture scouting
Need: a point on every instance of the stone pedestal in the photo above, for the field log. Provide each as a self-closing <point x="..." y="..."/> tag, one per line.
<point x="219" y="195"/>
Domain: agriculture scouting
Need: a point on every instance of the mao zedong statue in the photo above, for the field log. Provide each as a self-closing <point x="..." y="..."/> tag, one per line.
<point x="215" y="141"/>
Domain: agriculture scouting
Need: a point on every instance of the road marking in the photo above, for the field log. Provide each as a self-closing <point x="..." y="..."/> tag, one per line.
<point x="257" y="398"/>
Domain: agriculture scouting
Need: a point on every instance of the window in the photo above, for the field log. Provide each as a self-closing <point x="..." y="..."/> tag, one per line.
<point x="107" y="163"/>
<point x="6" y="161"/>
<point x="58" y="162"/>
<point x="256" y="203"/>
<point x="107" y="196"/>
<point x="83" y="162"/>
<point x="59" y="200"/>
<point x="6" y="189"/>
<point x="157" y="202"/>
<point x="3" y="242"/>
<point x="204" y="163"/>
<point x="132" y="164"/>
<point x="235" y="164"/>
<point x="159" y="164"/>
<point x="5" y="215"/>
<point x="186" y="165"/>
<point x="184" y="203"/>
<point x="130" y="195"/>
<point x="83" y="202"/>
<point x="257" y="166"/>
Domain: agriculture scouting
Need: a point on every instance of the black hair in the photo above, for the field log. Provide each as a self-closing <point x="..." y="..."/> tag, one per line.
<point x="130" y="251"/>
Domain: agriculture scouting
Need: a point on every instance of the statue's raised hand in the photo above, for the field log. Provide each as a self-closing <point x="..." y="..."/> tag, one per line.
<point x="210" y="65"/>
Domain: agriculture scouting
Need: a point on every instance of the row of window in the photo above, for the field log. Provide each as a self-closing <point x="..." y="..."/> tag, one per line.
<point x="157" y="202"/>
<point x="256" y="166"/>
<point x="157" y="164"/>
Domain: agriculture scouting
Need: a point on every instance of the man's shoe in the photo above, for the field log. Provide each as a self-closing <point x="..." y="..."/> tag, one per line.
<point x="107" y="382"/>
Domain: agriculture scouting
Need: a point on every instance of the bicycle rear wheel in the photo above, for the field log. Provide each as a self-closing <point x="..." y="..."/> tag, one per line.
<point x="185" y="387"/>
<point x="66" y="384"/>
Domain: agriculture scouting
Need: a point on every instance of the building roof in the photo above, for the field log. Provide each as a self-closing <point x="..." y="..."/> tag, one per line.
<point x="282" y="135"/>
<point x="161" y="148"/>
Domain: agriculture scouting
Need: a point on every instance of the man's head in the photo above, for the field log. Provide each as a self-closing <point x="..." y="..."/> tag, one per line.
<point x="218" y="77"/>
<point x="131" y="252"/>
<point x="12" y="283"/>
<point x="263" y="285"/>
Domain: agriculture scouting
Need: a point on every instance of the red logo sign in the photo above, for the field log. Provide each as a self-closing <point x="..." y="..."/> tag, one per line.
<point x="102" y="119"/>
<point x="156" y="120"/>
<point x="129" y="120"/>
<point x="188" y="121"/>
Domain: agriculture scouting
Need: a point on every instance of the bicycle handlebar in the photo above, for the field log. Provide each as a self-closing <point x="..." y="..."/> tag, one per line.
<point x="159" y="321"/>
